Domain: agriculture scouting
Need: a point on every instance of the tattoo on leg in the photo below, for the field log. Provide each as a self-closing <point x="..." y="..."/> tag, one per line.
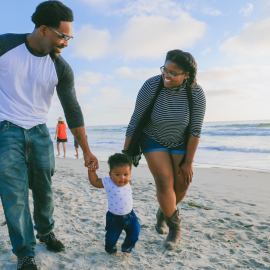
<point x="76" y="135"/>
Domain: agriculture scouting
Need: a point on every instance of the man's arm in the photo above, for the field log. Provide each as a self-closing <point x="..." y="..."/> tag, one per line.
<point x="90" y="160"/>
<point x="67" y="95"/>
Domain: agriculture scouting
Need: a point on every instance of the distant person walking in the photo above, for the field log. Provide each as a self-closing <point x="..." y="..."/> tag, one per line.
<point x="167" y="123"/>
<point x="61" y="135"/>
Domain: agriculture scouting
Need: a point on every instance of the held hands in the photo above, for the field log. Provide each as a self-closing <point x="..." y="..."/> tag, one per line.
<point x="91" y="167"/>
<point x="90" y="161"/>
<point x="187" y="172"/>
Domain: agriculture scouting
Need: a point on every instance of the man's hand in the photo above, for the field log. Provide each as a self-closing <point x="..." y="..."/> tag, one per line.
<point x="90" y="161"/>
<point x="187" y="172"/>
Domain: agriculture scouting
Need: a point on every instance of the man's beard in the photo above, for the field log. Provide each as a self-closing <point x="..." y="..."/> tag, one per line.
<point x="55" y="53"/>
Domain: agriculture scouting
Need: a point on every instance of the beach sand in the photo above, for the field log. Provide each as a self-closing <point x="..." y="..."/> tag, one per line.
<point x="234" y="234"/>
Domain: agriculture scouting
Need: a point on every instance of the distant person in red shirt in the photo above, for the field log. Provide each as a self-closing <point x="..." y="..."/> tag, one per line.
<point x="61" y="135"/>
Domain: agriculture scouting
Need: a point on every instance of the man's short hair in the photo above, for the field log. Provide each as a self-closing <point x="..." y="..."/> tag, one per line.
<point x="119" y="160"/>
<point x="52" y="13"/>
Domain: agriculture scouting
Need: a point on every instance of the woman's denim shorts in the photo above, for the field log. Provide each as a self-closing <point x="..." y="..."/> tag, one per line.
<point x="149" y="145"/>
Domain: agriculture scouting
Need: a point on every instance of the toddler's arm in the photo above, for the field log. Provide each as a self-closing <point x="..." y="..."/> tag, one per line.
<point x="94" y="180"/>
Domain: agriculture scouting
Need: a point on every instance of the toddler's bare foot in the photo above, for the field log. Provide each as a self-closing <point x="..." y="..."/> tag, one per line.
<point x="114" y="253"/>
<point x="126" y="254"/>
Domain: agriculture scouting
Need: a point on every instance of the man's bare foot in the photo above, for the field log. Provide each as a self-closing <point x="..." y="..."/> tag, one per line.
<point x="126" y="254"/>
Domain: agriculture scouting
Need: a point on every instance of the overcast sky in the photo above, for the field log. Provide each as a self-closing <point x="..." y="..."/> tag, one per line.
<point x="118" y="44"/>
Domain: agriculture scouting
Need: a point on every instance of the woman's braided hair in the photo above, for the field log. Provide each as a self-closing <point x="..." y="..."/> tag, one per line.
<point x="185" y="61"/>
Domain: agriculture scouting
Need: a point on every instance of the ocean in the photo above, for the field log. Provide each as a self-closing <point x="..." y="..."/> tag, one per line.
<point x="244" y="144"/>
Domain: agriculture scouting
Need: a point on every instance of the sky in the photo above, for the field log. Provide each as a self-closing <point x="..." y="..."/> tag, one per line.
<point x="119" y="44"/>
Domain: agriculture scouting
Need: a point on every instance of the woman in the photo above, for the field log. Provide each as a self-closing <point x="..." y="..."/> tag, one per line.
<point x="61" y="135"/>
<point x="163" y="141"/>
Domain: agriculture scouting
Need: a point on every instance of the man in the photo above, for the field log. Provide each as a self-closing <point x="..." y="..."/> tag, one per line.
<point x="30" y="68"/>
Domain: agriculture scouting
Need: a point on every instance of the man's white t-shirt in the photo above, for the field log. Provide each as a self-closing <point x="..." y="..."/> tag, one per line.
<point x="27" y="83"/>
<point x="119" y="198"/>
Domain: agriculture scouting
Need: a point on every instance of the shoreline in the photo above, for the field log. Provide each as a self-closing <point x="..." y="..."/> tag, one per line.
<point x="102" y="154"/>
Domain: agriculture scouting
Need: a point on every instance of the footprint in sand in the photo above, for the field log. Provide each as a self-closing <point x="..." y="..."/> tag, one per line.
<point x="84" y="219"/>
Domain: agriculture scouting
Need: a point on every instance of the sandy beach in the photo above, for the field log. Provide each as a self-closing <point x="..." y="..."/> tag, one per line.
<point x="233" y="234"/>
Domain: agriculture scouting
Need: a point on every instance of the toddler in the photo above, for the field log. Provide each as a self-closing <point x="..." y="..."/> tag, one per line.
<point x="120" y="215"/>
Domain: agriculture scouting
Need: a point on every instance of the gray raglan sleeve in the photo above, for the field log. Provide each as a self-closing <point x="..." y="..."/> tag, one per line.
<point x="67" y="94"/>
<point x="10" y="41"/>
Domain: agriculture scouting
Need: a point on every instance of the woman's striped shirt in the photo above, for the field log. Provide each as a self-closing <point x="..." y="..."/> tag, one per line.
<point x="170" y="115"/>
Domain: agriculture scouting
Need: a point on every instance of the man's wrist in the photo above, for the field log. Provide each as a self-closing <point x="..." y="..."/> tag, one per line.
<point x="87" y="152"/>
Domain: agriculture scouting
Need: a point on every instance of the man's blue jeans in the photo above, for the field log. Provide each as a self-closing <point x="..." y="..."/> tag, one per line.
<point x="115" y="225"/>
<point x="26" y="161"/>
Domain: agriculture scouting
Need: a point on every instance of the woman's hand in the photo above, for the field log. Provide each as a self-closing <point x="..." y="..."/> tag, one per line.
<point x="187" y="172"/>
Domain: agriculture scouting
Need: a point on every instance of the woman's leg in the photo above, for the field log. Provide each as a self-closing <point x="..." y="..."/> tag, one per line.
<point x="180" y="186"/>
<point x="161" y="167"/>
<point x="65" y="148"/>
<point x="58" y="148"/>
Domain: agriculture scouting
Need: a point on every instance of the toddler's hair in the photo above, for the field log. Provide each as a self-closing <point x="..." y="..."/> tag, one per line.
<point x="118" y="160"/>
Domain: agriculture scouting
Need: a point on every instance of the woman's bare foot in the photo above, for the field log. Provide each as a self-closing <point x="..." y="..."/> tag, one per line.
<point x="58" y="155"/>
<point x="126" y="254"/>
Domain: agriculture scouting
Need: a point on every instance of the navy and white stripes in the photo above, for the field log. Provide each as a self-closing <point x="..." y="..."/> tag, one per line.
<point x="170" y="115"/>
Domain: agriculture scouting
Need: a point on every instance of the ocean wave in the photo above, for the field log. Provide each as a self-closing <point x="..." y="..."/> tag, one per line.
<point x="252" y="125"/>
<point x="122" y="129"/>
<point x="232" y="149"/>
<point x="237" y="129"/>
<point x="104" y="142"/>
<point x="237" y="133"/>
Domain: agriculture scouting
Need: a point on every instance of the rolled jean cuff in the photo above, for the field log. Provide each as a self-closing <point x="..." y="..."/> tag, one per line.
<point x="29" y="251"/>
